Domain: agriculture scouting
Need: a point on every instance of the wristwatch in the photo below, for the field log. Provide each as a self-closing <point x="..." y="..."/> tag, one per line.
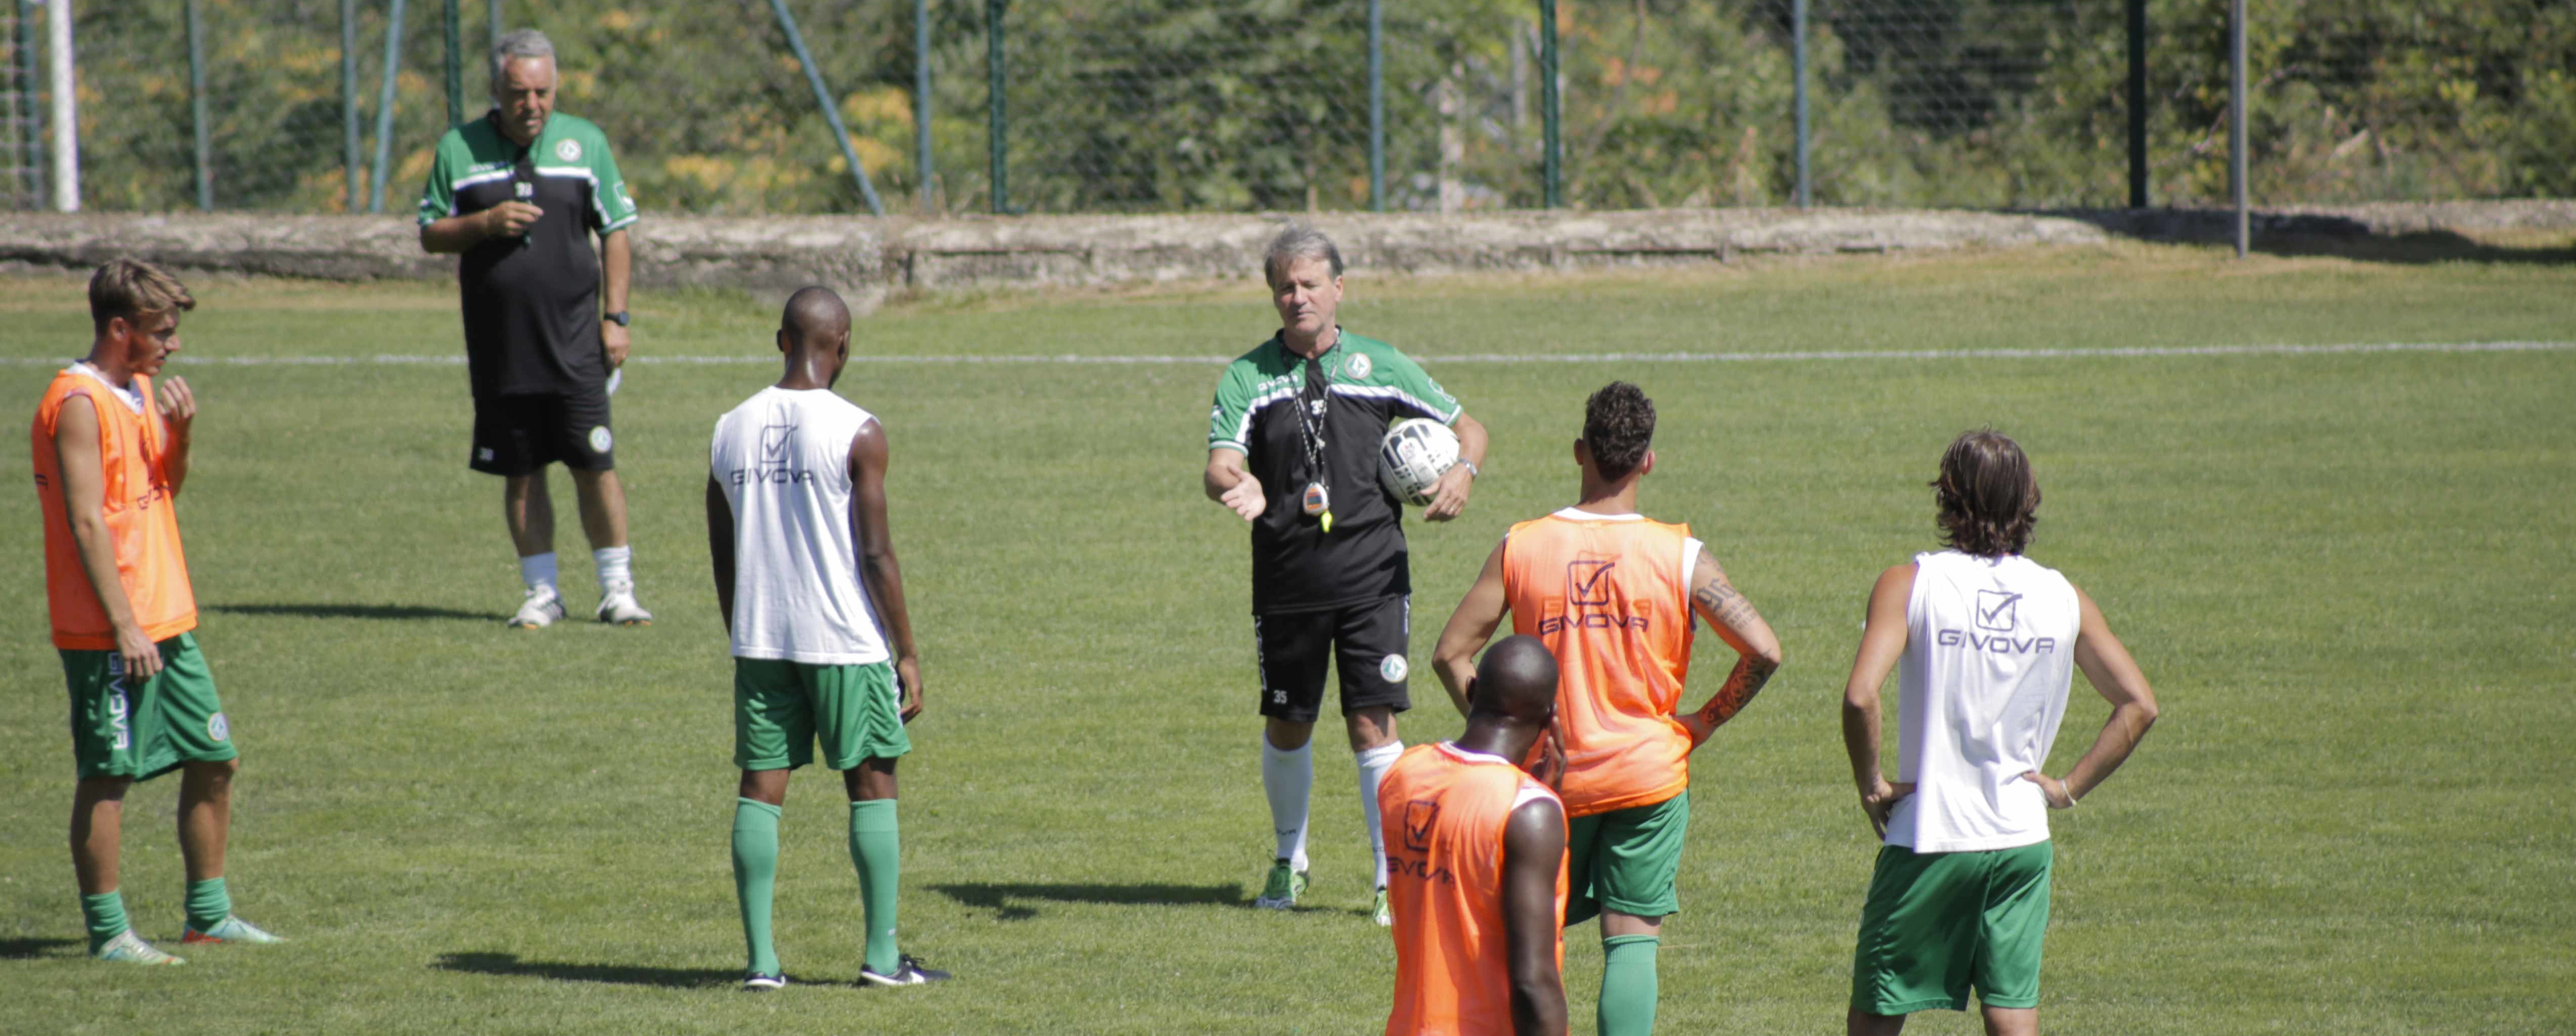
<point x="618" y="318"/>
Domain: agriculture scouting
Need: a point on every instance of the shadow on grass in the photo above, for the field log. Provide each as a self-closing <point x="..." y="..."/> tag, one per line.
<point x="614" y="974"/>
<point x="30" y="949"/>
<point x="1011" y="902"/>
<point x="353" y="611"/>
<point x="2294" y="233"/>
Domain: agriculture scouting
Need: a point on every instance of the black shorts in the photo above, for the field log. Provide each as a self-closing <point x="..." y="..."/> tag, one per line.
<point x="1365" y="642"/>
<point x="520" y="435"/>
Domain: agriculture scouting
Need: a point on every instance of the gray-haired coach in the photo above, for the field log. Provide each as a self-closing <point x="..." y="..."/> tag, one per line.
<point x="1293" y="449"/>
<point x="520" y="191"/>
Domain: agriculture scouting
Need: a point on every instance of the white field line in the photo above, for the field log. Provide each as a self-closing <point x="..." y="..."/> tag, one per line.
<point x="1800" y="356"/>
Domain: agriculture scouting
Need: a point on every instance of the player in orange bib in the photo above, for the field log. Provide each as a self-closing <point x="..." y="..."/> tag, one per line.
<point x="1475" y="852"/>
<point x="1612" y="593"/>
<point x="110" y="459"/>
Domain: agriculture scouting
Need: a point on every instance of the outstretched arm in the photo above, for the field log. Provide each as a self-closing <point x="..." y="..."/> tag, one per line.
<point x="720" y="548"/>
<point x="1226" y="482"/>
<point x="1470" y="626"/>
<point x="877" y="567"/>
<point x="2115" y="676"/>
<point x="1533" y="853"/>
<point x="1882" y="643"/>
<point x="1735" y="621"/>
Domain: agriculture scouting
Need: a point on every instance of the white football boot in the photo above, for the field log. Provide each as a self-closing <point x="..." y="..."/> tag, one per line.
<point x="617" y="605"/>
<point x="540" y="610"/>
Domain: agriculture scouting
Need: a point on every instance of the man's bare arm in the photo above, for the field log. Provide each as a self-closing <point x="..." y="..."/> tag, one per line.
<point x="2116" y="677"/>
<point x="1449" y="495"/>
<point x="720" y="548"/>
<point x="878" y="569"/>
<point x="1882" y="643"/>
<point x="1533" y="850"/>
<point x="177" y="410"/>
<point x="76" y="455"/>
<point x="1736" y="622"/>
<point x="1470" y="626"/>
<point x="458" y="233"/>
<point x="616" y="258"/>
<point x="1227" y="482"/>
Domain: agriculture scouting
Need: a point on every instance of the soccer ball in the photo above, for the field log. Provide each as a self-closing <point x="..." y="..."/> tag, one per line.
<point x="1413" y="456"/>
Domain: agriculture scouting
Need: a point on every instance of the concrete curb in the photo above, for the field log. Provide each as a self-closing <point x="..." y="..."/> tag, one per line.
<point x="869" y="259"/>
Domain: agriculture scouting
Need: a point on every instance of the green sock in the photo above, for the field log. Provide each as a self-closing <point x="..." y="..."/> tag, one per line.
<point x="105" y="915"/>
<point x="208" y="904"/>
<point x="878" y="851"/>
<point x="1628" y="985"/>
<point x="755" y="877"/>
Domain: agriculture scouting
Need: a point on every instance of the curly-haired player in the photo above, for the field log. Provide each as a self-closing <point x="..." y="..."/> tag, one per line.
<point x="1988" y="641"/>
<point x="1611" y="595"/>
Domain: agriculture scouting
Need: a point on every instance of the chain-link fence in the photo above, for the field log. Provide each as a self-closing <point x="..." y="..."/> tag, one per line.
<point x="1236" y="105"/>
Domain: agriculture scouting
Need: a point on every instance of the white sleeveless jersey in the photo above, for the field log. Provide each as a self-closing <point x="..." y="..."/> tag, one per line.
<point x="1989" y="651"/>
<point x="783" y="460"/>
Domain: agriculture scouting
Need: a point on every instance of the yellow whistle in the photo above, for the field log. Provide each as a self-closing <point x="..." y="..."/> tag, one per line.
<point x="1328" y="521"/>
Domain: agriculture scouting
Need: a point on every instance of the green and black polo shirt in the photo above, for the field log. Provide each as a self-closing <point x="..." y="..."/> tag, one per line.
<point x="1296" y="565"/>
<point x="532" y="303"/>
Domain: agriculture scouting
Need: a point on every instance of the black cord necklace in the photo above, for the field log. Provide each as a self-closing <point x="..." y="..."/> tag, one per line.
<point x="1311" y="419"/>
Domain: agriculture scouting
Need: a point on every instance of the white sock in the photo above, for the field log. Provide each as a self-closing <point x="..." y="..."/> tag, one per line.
<point x="1373" y="765"/>
<point x="1289" y="779"/>
<point x="538" y="570"/>
<point x="615" y="565"/>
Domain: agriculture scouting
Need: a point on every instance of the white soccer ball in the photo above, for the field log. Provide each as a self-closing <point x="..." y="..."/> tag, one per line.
<point x="1413" y="456"/>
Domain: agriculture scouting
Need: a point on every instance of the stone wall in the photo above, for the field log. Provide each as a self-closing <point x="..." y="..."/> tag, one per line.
<point x="868" y="259"/>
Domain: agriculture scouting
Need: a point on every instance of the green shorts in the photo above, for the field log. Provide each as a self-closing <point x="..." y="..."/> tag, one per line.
<point x="1625" y="860"/>
<point x="121" y="729"/>
<point x="781" y="708"/>
<point x="1940" y="923"/>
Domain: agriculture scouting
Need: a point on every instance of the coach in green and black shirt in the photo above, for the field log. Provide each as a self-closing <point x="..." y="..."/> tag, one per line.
<point x="1293" y="449"/>
<point x="520" y="191"/>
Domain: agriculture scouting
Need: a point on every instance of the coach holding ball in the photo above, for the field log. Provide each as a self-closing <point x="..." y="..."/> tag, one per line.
<point x="1293" y="449"/>
<point x="519" y="192"/>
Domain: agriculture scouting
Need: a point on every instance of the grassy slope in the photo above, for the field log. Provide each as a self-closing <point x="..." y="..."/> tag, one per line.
<point x="2347" y="576"/>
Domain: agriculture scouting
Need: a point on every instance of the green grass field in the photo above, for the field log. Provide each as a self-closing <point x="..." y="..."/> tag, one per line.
<point x="2348" y="576"/>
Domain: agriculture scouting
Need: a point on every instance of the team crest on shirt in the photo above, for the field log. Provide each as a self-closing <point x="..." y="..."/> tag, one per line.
<point x="600" y="440"/>
<point x="218" y="728"/>
<point x="1392" y="668"/>
<point x="1358" y="368"/>
<point x="568" y="150"/>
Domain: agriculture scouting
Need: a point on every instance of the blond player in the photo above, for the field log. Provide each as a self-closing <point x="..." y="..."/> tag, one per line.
<point x="1476" y="864"/>
<point x="1611" y="593"/>
<point x="110" y="460"/>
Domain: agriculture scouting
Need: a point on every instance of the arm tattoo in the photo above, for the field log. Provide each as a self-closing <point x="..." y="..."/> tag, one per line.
<point x="1740" y="687"/>
<point x="1723" y="603"/>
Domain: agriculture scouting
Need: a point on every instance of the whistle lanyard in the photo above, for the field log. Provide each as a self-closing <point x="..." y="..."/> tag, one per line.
<point x="1312" y="415"/>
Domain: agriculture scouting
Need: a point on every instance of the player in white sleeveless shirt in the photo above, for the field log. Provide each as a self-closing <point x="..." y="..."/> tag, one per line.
<point x="822" y="643"/>
<point x="1985" y="643"/>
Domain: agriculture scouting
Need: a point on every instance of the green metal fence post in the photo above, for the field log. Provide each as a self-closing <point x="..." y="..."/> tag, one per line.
<point x="831" y="108"/>
<point x="385" y="109"/>
<point x="2137" y="104"/>
<point x="1804" y="189"/>
<point x="26" y="44"/>
<point x="1377" y="109"/>
<point x="997" y="120"/>
<point x="493" y="10"/>
<point x="1551" y="167"/>
<point x="455" y="66"/>
<point x="351" y="167"/>
<point x="921" y="104"/>
<point x="2237" y="189"/>
<point x="197" y="106"/>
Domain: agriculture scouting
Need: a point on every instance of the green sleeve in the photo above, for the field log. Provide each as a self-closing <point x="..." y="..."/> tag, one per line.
<point x="611" y="207"/>
<point x="438" y="197"/>
<point x="1230" y="420"/>
<point x="1416" y="391"/>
